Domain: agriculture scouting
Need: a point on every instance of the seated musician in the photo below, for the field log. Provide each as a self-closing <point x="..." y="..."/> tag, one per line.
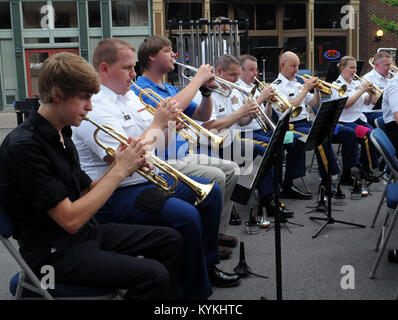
<point x="379" y="76"/>
<point x="390" y="110"/>
<point x="156" y="57"/>
<point x="232" y="112"/>
<point x="352" y="116"/>
<point x="51" y="200"/>
<point x="289" y="88"/>
<point x="138" y="201"/>
<point x="295" y="159"/>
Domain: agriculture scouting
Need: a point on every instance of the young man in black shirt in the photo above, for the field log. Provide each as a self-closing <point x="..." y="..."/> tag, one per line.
<point x="51" y="200"/>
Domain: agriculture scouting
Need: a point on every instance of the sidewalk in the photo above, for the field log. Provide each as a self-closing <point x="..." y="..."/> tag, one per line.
<point x="8" y="120"/>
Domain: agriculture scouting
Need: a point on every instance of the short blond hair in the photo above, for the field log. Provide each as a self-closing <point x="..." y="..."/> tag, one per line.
<point x="107" y="51"/>
<point x="68" y="75"/>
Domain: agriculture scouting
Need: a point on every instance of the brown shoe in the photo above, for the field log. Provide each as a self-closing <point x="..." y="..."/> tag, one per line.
<point x="224" y="252"/>
<point x="227" y="241"/>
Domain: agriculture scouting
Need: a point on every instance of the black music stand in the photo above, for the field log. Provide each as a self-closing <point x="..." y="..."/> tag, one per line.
<point x="272" y="158"/>
<point x="268" y="54"/>
<point x="321" y="130"/>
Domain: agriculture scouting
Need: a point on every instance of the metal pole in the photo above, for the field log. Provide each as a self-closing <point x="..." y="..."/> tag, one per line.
<point x="192" y="50"/>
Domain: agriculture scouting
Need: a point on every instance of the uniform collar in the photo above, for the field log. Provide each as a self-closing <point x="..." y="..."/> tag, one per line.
<point x="377" y="75"/>
<point x="286" y="80"/>
<point x="111" y="96"/>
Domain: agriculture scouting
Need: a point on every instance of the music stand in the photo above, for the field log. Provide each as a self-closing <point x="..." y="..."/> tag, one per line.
<point x="333" y="71"/>
<point x="378" y="104"/>
<point x="268" y="54"/>
<point x="322" y="129"/>
<point x="272" y="158"/>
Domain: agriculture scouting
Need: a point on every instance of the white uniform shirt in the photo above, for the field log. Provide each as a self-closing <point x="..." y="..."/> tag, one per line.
<point x="354" y="112"/>
<point x="290" y="89"/>
<point x="390" y="100"/>
<point x="379" y="81"/>
<point x="125" y="114"/>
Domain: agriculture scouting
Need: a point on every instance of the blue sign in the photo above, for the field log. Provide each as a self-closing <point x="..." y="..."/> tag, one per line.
<point x="332" y="54"/>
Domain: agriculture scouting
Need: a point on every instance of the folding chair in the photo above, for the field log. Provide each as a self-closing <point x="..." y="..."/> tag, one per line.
<point x="380" y="123"/>
<point x="387" y="151"/>
<point x="25" y="284"/>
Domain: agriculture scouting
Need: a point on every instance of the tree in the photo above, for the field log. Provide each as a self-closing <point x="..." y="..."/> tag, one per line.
<point x="389" y="26"/>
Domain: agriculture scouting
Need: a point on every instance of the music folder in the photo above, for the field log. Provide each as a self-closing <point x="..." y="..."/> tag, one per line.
<point x="262" y="164"/>
<point x="325" y="122"/>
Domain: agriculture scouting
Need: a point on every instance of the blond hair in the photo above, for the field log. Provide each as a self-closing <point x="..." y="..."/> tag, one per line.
<point x="108" y="51"/>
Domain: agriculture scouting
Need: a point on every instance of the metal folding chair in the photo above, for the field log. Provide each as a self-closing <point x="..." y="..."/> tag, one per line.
<point x="387" y="151"/>
<point x="25" y="284"/>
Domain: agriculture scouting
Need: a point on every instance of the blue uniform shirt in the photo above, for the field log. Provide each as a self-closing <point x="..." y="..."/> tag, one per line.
<point x="179" y="147"/>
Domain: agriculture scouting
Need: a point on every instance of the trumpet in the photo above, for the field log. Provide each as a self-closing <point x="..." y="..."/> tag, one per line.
<point x="221" y="81"/>
<point x="183" y="118"/>
<point x="393" y="69"/>
<point x="374" y="91"/>
<point x="201" y="190"/>
<point x="326" y="87"/>
<point x="281" y="103"/>
<point x="245" y="93"/>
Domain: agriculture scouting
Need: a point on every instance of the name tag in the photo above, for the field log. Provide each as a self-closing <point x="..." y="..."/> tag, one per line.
<point x="221" y="108"/>
<point x="291" y="94"/>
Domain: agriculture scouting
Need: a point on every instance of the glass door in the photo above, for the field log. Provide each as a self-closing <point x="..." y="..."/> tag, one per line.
<point x="34" y="61"/>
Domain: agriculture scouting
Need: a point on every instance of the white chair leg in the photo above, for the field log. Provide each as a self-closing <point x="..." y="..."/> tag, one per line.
<point x="384" y="244"/>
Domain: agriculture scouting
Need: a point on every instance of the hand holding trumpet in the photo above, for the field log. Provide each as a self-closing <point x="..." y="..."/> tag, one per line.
<point x="130" y="156"/>
<point x="168" y="110"/>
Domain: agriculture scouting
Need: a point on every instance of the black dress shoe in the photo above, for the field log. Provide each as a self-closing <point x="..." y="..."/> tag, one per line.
<point x="285" y="212"/>
<point x="222" y="279"/>
<point x="293" y="192"/>
<point x="224" y="253"/>
<point x="227" y="241"/>
<point x="371" y="177"/>
<point x="347" y="180"/>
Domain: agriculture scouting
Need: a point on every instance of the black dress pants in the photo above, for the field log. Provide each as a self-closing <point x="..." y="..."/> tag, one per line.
<point x="106" y="256"/>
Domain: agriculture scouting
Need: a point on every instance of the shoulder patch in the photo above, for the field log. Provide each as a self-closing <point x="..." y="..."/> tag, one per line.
<point x="234" y="100"/>
<point x="338" y="81"/>
<point x="277" y="81"/>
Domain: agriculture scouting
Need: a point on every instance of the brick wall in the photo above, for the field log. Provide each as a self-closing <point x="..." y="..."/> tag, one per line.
<point x="367" y="32"/>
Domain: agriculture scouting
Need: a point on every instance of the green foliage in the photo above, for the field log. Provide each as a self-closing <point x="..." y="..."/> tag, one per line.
<point x="388" y="26"/>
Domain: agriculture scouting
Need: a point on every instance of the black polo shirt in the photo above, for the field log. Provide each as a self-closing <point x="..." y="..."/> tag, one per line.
<point x="36" y="173"/>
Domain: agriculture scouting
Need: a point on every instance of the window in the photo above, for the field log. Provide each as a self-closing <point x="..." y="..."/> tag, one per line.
<point x="218" y="9"/>
<point x="294" y="16"/>
<point x="298" y="46"/>
<point x="94" y="14"/>
<point x="130" y="13"/>
<point x="327" y="14"/>
<point x="184" y="11"/>
<point x="65" y="14"/>
<point x="5" y="15"/>
<point x="31" y="14"/>
<point x="265" y="16"/>
<point x="322" y="45"/>
<point x="245" y="11"/>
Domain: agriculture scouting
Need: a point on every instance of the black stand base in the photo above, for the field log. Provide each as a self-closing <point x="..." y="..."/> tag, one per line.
<point x="285" y="221"/>
<point x="330" y="220"/>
